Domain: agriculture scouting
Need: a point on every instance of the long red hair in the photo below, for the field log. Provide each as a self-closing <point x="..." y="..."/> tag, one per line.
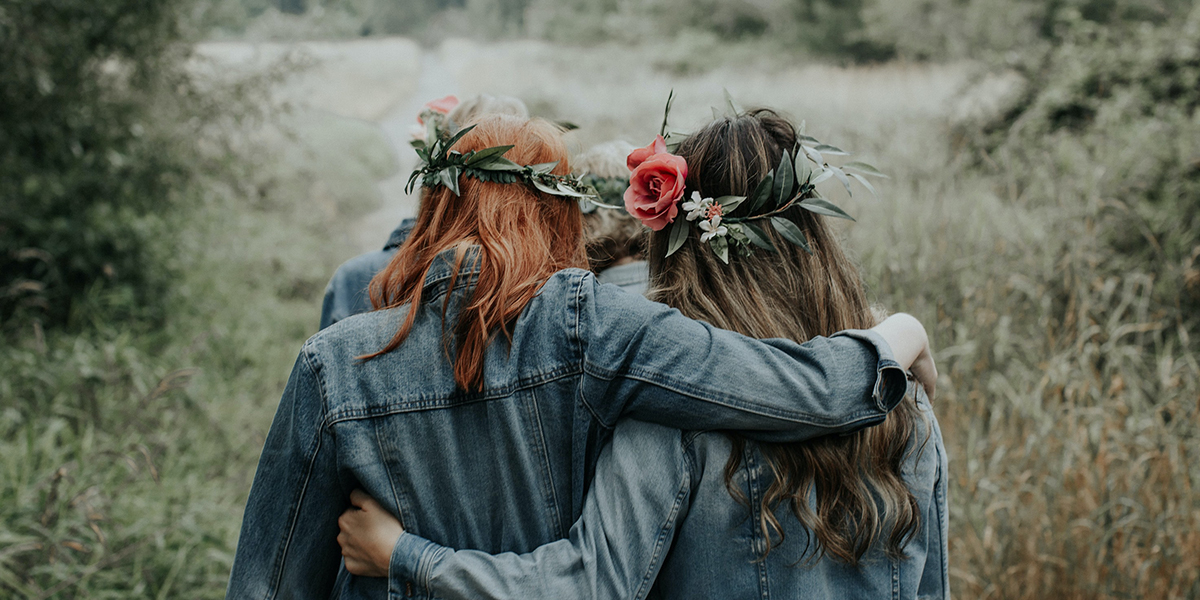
<point x="524" y="236"/>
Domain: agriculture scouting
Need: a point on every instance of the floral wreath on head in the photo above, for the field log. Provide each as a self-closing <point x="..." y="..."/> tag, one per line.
<point x="657" y="188"/>
<point x="442" y="166"/>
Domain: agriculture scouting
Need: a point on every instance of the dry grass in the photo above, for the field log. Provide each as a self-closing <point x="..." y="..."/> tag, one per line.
<point x="1070" y="398"/>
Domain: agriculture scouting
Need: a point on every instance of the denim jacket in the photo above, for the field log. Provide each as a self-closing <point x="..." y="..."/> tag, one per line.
<point x="506" y="469"/>
<point x="659" y="522"/>
<point x="346" y="294"/>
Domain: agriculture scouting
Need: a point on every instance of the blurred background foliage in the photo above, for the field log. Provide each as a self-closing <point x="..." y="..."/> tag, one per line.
<point x="167" y="226"/>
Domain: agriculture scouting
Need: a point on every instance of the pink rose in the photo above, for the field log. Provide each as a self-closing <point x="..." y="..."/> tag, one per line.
<point x="655" y="187"/>
<point x="635" y="158"/>
<point x="441" y="105"/>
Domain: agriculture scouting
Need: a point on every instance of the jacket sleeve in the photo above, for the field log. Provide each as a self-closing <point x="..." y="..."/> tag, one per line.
<point x="288" y="544"/>
<point x="642" y="488"/>
<point x="933" y="538"/>
<point x="644" y="360"/>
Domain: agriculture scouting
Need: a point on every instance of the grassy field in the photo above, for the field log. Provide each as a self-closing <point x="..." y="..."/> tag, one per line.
<point x="1069" y="401"/>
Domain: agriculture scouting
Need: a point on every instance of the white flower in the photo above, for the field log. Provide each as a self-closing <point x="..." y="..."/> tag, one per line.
<point x="697" y="207"/>
<point x="712" y="228"/>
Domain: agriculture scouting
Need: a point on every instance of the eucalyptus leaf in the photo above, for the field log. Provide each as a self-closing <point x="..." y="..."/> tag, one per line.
<point x="729" y="203"/>
<point x="827" y="149"/>
<point x="814" y="154"/>
<point x="841" y="176"/>
<point x="822" y="206"/>
<point x="757" y="236"/>
<point x="866" y="184"/>
<point x="812" y="141"/>
<point x="790" y="232"/>
<point x="822" y="176"/>
<point x="802" y="169"/>
<point x="679" y="233"/>
<point x="549" y="189"/>
<point x="761" y="192"/>
<point x="864" y="168"/>
<point x="487" y="153"/>
<point x="544" y="167"/>
<point x="720" y="247"/>
<point x="566" y="190"/>
<point x="449" y="177"/>
<point x="785" y="178"/>
<point x="733" y="109"/>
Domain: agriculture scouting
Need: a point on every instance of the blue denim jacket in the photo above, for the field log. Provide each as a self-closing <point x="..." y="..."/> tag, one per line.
<point x="507" y="469"/>
<point x="659" y="522"/>
<point x="346" y="294"/>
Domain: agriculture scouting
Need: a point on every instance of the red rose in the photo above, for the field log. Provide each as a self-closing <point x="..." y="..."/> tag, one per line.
<point x="635" y="158"/>
<point x="655" y="187"/>
<point x="441" y="105"/>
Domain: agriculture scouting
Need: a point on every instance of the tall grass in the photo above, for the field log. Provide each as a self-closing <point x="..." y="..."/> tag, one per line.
<point x="126" y="453"/>
<point x="1070" y="391"/>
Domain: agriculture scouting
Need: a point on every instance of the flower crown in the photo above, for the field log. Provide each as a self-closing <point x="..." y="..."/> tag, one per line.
<point x="657" y="185"/>
<point x="442" y="166"/>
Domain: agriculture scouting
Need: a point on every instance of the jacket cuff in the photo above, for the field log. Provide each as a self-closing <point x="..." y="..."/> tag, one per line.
<point x="413" y="559"/>
<point x="891" y="383"/>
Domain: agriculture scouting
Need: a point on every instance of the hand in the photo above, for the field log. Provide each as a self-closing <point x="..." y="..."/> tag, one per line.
<point x="910" y="345"/>
<point x="369" y="533"/>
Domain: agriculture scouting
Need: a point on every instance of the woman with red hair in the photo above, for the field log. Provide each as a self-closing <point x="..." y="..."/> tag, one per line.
<point x="475" y="402"/>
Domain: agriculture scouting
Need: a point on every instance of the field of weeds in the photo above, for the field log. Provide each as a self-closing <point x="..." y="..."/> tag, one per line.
<point x="1069" y="398"/>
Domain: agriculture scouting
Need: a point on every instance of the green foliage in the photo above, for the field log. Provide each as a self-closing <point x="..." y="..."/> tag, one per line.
<point x="1110" y="121"/>
<point x="96" y="118"/>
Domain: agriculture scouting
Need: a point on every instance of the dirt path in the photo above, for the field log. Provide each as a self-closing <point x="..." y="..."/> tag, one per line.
<point x="433" y="82"/>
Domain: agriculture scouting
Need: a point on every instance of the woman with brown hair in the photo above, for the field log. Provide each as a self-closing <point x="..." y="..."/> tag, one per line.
<point x="715" y="514"/>
<point x="475" y="401"/>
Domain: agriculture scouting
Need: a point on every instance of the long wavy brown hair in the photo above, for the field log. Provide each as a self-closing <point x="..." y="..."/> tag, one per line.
<point x="524" y="236"/>
<point x="860" y="495"/>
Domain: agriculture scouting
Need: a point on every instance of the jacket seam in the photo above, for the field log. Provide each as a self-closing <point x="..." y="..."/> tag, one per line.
<point x="293" y="517"/>
<point x="402" y="406"/>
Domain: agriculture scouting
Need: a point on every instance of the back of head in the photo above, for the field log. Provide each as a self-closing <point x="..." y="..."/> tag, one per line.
<point x="524" y="236"/>
<point x="612" y="236"/>
<point x="793" y="294"/>
<point x="467" y="111"/>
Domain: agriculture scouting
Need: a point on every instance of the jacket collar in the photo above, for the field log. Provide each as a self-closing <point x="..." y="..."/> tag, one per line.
<point x="443" y="268"/>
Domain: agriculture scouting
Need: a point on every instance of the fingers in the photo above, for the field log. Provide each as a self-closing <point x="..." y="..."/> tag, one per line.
<point x="360" y="498"/>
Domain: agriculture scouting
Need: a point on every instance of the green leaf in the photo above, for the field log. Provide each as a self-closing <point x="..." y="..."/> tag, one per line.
<point x="566" y="125"/>
<point x="733" y="109"/>
<point x="822" y="206"/>
<point x="459" y="135"/>
<point x="566" y="190"/>
<point x="757" y="236"/>
<point x="487" y="153"/>
<point x="716" y="113"/>
<point x="729" y="203"/>
<point x="761" y="192"/>
<point x="864" y="168"/>
<point x="498" y="163"/>
<point x="827" y="149"/>
<point x="814" y="155"/>
<point x="549" y="189"/>
<point x="449" y="177"/>
<point x="544" y="167"/>
<point x="785" y="178"/>
<point x="803" y="170"/>
<point x="667" y="112"/>
<point x="803" y="125"/>
<point x="822" y="176"/>
<point x="720" y="247"/>
<point x="812" y="141"/>
<point x="790" y="232"/>
<point x="417" y="143"/>
<point x="679" y="233"/>
<point x="866" y="184"/>
<point x="841" y="176"/>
